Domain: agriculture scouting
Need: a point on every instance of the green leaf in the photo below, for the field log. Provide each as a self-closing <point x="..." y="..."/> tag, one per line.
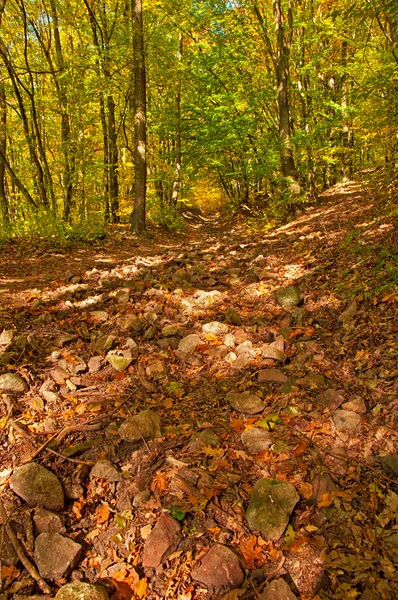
<point x="177" y="513"/>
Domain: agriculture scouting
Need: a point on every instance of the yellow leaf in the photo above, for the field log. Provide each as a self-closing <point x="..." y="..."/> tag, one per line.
<point x="306" y="490"/>
<point x="168" y="403"/>
<point x="145" y="531"/>
<point x="102" y="513"/>
<point x="140" y="588"/>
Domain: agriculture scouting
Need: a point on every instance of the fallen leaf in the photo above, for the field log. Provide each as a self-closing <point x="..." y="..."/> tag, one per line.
<point x="102" y="513"/>
<point x="252" y="552"/>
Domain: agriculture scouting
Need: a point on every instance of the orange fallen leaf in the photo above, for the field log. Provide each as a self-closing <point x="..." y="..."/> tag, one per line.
<point x="140" y="588"/>
<point x="10" y="572"/>
<point x="252" y="552"/>
<point x="102" y="513"/>
<point x="158" y="483"/>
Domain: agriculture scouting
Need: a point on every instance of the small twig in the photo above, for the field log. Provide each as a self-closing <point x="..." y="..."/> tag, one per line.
<point x="31" y="569"/>
<point x="40" y="449"/>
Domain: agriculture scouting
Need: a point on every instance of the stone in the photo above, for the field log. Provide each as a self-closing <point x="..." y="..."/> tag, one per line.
<point x="170" y="331"/>
<point x="99" y="316"/>
<point x="103" y="343"/>
<point x="55" y="555"/>
<point x="241" y="361"/>
<point x="207" y="437"/>
<point x="161" y="542"/>
<point x="81" y="591"/>
<point x="122" y="296"/>
<point x="330" y="399"/>
<point x="245" y="402"/>
<point x="229" y="340"/>
<point x="269" y="351"/>
<point x="37" y="486"/>
<point x="346" y="421"/>
<point x="278" y="590"/>
<point x="59" y="375"/>
<point x="218" y="568"/>
<point x="121" y="361"/>
<point x="189" y="343"/>
<point x="156" y="370"/>
<point x="271" y="375"/>
<point x="215" y="328"/>
<point x="270" y="506"/>
<point x="244" y="348"/>
<point x="46" y="521"/>
<point x="289" y="297"/>
<point x="6" y="337"/>
<point x="321" y="484"/>
<point x="356" y="404"/>
<point x="313" y="381"/>
<point x="94" y="364"/>
<point x="390" y="464"/>
<point x="104" y="469"/>
<point x="349" y="313"/>
<point x="257" y="439"/>
<point x="144" y="425"/>
<point x="12" y="383"/>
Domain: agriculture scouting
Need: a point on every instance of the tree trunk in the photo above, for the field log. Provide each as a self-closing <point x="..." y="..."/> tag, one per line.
<point x="113" y="162"/>
<point x="138" y="214"/>
<point x="177" y="177"/>
<point x="4" y="209"/>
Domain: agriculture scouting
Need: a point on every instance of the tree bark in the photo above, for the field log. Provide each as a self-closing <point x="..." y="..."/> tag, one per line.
<point x="178" y="157"/>
<point x="138" y="215"/>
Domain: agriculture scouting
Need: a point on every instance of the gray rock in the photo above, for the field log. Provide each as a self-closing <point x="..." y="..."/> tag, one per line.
<point x="46" y="521"/>
<point x="130" y="322"/>
<point x="270" y="506"/>
<point x="207" y="437"/>
<point x="95" y="364"/>
<point x="122" y="296"/>
<point x="270" y="351"/>
<point x="245" y="402"/>
<point x="346" y="421"/>
<point x="390" y="464"/>
<point x="103" y="343"/>
<point x="356" y="404"/>
<point x="241" y="361"/>
<point x="321" y="485"/>
<point x="215" y="328"/>
<point x="99" y="316"/>
<point x="121" y="361"/>
<point x="189" y="343"/>
<point x="12" y="383"/>
<point x="218" y="568"/>
<point x="161" y="542"/>
<point x="170" y="331"/>
<point x="6" y="337"/>
<point x="278" y="590"/>
<point x="144" y="425"/>
<point x="81" y="591"/>
<point x="55" y="555"/>
<point x="104" y="469"/>
<point x="257" y="439"/>
<point x="330" y="399"/>
<point x="289" y="297"/>
<point x="271" y="375"/>
<point x="244" y="348"/>
<point x="37" y="486"/>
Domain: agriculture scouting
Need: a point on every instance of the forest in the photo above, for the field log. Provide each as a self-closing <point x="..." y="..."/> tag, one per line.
<point x="112" y="111"/>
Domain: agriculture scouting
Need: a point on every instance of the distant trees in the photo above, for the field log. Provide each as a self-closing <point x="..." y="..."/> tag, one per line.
<point x="102" y="119"/>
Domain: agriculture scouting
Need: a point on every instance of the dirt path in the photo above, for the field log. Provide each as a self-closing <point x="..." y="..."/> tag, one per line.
<point x="321" y="377"/>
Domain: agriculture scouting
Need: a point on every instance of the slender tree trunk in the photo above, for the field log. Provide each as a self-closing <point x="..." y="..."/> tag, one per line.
<point x="178" y="157"/>
<point x="113" y="158"/>
<point x="138" y="214"/>
<point x="4" y="209"/>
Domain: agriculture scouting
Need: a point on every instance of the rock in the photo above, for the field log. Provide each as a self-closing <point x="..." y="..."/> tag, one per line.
<point x="141" y="497"/>
<point x="46" y="521"/>
<point x="390" y="464"/>
<point x="244" y="348"/>
<point x="229" y="340"/>
<point x="312" y="381"/>
<point x="321" y="485"/>
<point x="37" y="486"/>
<point x="267" y="274"/>
<point x="241" y="361"/>
<point x="215" y="328"/>
<point x="99" y="316"/>
<point x="189" y="343"/>
<point x="278" y="590"/>
<point x="8" y="556"/>
<point x="346" y="420"/>
<point x="120" y="361"/>
<point x="122" y="296"/>
<point x="161" y="542"/>
<point x="103" y="343"/>
<point x="94" y="364"/>
<point x="59" y="375"/>
<point x="269" y="351"/>
<point x="81" y="591"/>
<point x="207" y="437"/>
<point x="12" y="383"/>
<point x="330" y="399"/>
<point x="349" y="313"/>
<point x="356" y="404"/>
<point x="156" y="370"/>
<point x="272" y="375"/>
<point x="289" y="297"/>
<point x="218" y="568"/>
<point x="170" y="331"/>
<point x="245" y="402"/>
<point x="6" y="337"/>
<point x="270" y="506"/>
<point x="144" y="425"/>
<point x="104" y="469"/>
<point x="257" y="439"/>
<point x="55" y="555"/>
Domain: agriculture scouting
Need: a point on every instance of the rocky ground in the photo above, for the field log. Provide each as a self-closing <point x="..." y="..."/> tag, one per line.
<point x="204" y="415"/>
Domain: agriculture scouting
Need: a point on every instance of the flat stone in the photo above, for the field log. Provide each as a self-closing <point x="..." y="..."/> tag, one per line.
<point x="245" y="402"/>
<point x="218" y="568"/>
<point x="207" y="437"/>
<point x="322" y="485"/>
<point x="241" y="362"/>
<point x="122" y="296"/>
<point x="130" y="322"/>
<point x="13" y="383"/>
<point x="144" y="425"/>
<point x="156" y="369"/>
<point x="390" y="464"/>
<point x="103" y="343"/>
<point x="312" y="381"/>
<point x="229" y="340"/>
<point x="121" y="361"/>
<point x="81" y="591"/>
<point x="94" y="364"/>
<point x="170" y="331"/>
<point x="330" y="399"/>
<point x="37" y="486"/>
<point x="161" y="542"/>
<point x="269" y="351"/>
<point x="55" y="555"/>
<point x="271" y="375"/>
<point x="189" y="343"/>
<point x="270" y="506"/>
<point x="278" y="590"/>
<point x="99" y="316"/>
<point x="289" y="297"/>
<point x="6" y="337"/>
<point x="356" y="404"/>
<point x="104" y="469"/>
<point x="346" y="420"/>
<point x="215" y="328"/>
<point x="46" y="521"/>
<point x="59" y="375"/>
<point x="244" y="348"/>
<point x="257" y="439"/>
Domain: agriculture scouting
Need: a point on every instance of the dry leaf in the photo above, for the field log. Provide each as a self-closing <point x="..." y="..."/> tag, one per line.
<point x="145" y="531"/>
<point x="252" y="552"/>
<point x="102" y="513"/>
<point x="140" y="588"/>
<point x="306" y="490"/>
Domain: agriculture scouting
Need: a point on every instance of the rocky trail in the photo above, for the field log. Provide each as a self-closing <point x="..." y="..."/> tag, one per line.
<point x="206" y="415"/>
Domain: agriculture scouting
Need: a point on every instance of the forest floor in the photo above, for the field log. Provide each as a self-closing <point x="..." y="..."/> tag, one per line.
<point x="329" y="401"/>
